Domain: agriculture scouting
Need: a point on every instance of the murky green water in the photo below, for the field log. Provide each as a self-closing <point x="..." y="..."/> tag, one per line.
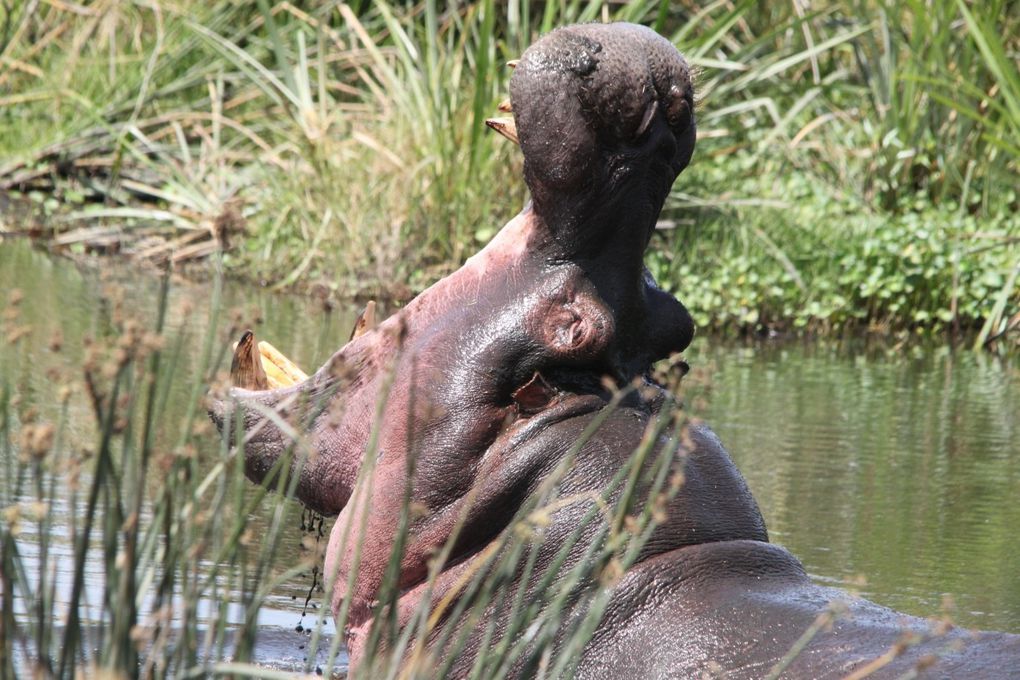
<point x="64" y="299"/>
<point x="892" y="472"/>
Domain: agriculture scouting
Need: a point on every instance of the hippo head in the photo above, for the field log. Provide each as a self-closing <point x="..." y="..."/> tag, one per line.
<point x="471" y="394"/>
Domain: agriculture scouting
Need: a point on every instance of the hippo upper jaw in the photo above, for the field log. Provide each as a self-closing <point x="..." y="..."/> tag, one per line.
<point x="605" y="118"/>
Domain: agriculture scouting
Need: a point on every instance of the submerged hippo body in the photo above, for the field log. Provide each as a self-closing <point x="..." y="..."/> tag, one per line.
<point x="483" y="385"/>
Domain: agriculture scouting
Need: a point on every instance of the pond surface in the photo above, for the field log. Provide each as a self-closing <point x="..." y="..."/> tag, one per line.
<point x="892" y="472"/>
<point x="67" y="299"/>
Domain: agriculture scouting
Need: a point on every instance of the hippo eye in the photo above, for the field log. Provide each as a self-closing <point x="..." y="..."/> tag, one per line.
<point x="678" y="112"/>
<point x="534" y="395"/>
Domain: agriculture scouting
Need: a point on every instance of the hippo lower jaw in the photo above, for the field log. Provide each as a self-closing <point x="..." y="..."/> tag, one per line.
<point x="515" y="447"/>
<point x="355" y="374"/>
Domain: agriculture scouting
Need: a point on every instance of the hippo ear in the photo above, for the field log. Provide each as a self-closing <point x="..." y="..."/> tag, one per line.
<point x="578" y="328"/>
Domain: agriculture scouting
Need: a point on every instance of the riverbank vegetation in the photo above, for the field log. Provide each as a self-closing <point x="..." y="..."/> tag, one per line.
<point x="856" y="167"/>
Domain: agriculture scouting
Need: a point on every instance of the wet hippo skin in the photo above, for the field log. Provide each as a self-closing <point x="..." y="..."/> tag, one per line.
<point x="491" y="375"/>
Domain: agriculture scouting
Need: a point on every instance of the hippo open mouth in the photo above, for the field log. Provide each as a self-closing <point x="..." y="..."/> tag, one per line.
<point x="493" y="366"/>
<point x="471" y="395"/>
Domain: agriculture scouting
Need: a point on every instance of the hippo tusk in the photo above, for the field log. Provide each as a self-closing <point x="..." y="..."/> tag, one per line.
<point x="647" y="119"/>
<point x="246" y="368"/>
<point x="505" y="127"/>
<point x="365" y="322"/>
<point x="505" y="106"/>
<point x="281" y="371"/>
<point x="513" y="63"/>
<point x="259" y="366"/>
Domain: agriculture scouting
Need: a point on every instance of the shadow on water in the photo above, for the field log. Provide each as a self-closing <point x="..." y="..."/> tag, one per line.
<point x="892" y="473"/>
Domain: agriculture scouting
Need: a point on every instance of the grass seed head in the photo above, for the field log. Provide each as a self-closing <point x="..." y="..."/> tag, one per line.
<point x="37" y="439"/>
<point x="12" y="518"/>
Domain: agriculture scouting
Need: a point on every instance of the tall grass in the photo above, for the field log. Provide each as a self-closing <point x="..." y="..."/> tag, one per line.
<point x="342" y="146"/>
<point x="144" y="504"/>
<point x="856" y="191"/>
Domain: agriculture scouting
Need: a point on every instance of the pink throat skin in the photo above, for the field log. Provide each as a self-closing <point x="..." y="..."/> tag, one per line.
<point x="465" y="287"/>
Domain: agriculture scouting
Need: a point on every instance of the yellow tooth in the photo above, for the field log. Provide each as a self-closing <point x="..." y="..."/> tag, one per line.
<point x="505" y="106"/>
<point x="246" y="370"/>
<point x="279" y="368"/>
<point x="276" y="377"/>
<point x="513" y="63"/>
<point x="365" y="322"/>
<point x="505" y="127"/>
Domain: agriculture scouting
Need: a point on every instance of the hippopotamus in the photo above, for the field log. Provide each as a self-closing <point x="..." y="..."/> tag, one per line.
<point x="430" y="433"/>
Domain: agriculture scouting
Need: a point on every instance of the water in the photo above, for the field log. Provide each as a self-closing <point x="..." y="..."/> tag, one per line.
<point x="891" y="472"/>
<point x="63" y="300"/>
